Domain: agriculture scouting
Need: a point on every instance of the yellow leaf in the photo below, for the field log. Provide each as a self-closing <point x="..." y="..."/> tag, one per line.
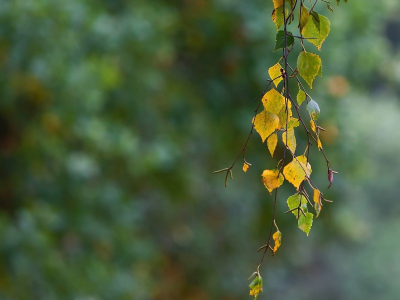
<point x="245" y="167"/>
<point x="271" y="142"/>
<point x="277" y="3"/>
<point x="289" y="139"/>
<point x="297" y="170"/>
<point x="282" y="115"/>
<point x="317" y="201"/>
<point x="312" y="123"/>
<point x="277" y="240"/>
<point x="274" y="72"/>
<point x="273" y="101"/>
<point x="265" y="124"/>
<point x="272" y="179"/>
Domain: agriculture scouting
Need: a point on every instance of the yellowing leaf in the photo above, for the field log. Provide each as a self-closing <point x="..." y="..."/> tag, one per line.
<point x="304" y="16"/>
<point x="311" y="31"/>
<point x="265" y="124"/>
<point x="277" y="236"/>
<point x="317" y="201"/>
<point x="301" y="96"/>
<point x="293" y="122"/>
<point x="289" y="139"/>
<point x="294" y="201"/>
<point x="308" y="65"/>
<point x="256" y="287"/>
<point x="245" y="167"/>
<point x="274" y="72"/>
<point x="277" y="3"/>
<point x="272" y="179"/>
<point x="277" y="16"/>
<point x="305" y="223"/>
<point x="282" y="115"/>
<point x="296" y="171"/>
<point x="272" y="142"/>
<point x="273" y="101"/>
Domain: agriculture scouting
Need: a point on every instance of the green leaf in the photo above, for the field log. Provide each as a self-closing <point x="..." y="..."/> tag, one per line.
<point x="280" y="40"/>
<point x="305" y="222"/>
<point x="317" y="34"/>
<point x="277" y="16"/>
<point x="313" y="109"/>
<point x="294" y="201"/>
<point x="301" y="96"/>
<point x="308" y="65"/>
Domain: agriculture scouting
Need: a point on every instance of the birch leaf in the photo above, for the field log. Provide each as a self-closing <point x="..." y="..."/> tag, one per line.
<point x="313" y="110"/>
<point x="301" y="96"/>
<point x="319" y="143"/>
<point x="305" y="223"/>
<point x="277" y="236"/>
<point x="272" y="142"/>
<point x="277" y="3"/>
<point x="274" y="72"/>
<point x="265" y="124"/>
<point x="272" y="179"/>
<point x="245" y="167"/>
<point x="303" y="17"/>
<point x="308" y="65"/>
<point x="277" y="16"/>
<point x="256" y="286"/>
<point x="273" y="101"/>
<point x="317" y="201"/>
<point x="280" y="40"/>
<point x="290" y="139"/>
<point x="294" y="201"/>
<point x="297" y="170"/>
<point x="318" y="35"/>
<point x="312" y="123"/>
<point x="282" y="115"/>
<point x="293" y="122"/>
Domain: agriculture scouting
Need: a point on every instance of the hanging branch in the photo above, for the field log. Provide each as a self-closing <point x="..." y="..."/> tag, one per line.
<point x="277" y="116"/>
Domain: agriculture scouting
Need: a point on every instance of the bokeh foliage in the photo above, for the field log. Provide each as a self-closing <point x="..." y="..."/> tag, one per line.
<point x="113" y="115"/>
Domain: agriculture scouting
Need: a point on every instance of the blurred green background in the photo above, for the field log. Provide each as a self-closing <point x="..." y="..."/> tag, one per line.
<point x="115" y="113"/>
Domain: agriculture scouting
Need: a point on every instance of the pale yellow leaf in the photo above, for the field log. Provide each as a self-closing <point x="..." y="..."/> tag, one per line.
<point x="272" y="142"/>
<point x="297" y="170"/>
<point x="265" y="124"/>
<point x="309" y="65"/>
<point x="289" y="139"/>
<point x="272" y="179"/>
<point x="277" y="236"/>
<point x="274" y="72"/>
<point x="273" y="101"/>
